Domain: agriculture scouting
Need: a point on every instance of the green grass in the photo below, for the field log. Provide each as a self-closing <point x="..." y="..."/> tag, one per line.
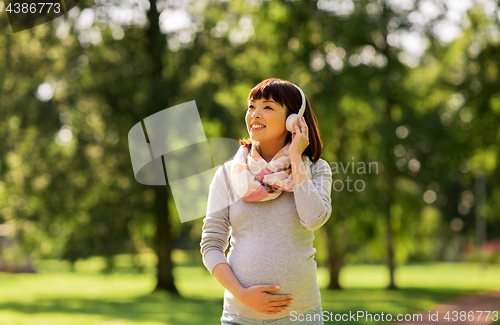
<point x="421" y="287"/>
<point x="57" y="296"/>
<point x="76" y="298"/>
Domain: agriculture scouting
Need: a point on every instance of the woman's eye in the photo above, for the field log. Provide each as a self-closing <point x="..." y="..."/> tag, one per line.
<point x="251" y="106"/>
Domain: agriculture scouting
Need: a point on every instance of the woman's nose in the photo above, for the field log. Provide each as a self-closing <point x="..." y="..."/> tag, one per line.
<point x="256" y="113"/>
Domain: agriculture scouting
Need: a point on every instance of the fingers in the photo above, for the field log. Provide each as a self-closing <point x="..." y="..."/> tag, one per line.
<point x="273" y="303"/>
<point x="303" y="123"/>
<point x="304" y="128"/>
<point x="300" y="125"/>
<point x="280" y="303"/>
<point x="269" y="287"/>
<point x="277" y="310"/>
<point x="279" y="298"/>
<point x="296" y="126"/>
<point x="272" y="312"/>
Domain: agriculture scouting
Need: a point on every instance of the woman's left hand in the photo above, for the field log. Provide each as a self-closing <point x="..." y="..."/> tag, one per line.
<point x="300" y="138"/>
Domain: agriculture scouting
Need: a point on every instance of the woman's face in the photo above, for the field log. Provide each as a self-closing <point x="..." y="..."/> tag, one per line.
<point x="269" y="114"/>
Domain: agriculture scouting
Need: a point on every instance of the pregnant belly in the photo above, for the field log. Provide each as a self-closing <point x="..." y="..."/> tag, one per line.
<point x="292" y="270"/>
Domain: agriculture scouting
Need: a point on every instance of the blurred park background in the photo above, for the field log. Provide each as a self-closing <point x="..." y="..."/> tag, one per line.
<point x="410" y="88"/>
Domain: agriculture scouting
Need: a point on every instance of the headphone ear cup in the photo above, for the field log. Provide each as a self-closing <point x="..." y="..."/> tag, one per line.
<point x="289" y="122"/>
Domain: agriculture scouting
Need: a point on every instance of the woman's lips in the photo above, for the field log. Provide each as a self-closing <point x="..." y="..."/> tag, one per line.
<point x="257" y="129"/>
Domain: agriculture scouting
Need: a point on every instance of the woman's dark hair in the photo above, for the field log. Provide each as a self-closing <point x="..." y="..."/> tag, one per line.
<point x="285" y="93"/>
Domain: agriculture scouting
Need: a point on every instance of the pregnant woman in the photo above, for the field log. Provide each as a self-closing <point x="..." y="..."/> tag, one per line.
<point x="269" y="199"/>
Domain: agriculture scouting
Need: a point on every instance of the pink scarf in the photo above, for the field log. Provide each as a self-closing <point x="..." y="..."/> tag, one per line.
<point x="256" y="180"/>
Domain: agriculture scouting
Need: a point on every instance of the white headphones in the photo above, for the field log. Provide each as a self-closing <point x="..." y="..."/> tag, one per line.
<point x="293" y="117"/>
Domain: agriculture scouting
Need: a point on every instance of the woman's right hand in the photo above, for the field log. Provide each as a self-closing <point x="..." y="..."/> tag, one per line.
<point x="257" y="298"/>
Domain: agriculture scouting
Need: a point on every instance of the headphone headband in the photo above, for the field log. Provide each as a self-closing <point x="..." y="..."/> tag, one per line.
<point x="303" y="106"/>
<point x="290" y="120"/>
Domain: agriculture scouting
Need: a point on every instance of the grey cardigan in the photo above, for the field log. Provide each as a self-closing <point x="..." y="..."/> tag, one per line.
<point x="271" y="241"/>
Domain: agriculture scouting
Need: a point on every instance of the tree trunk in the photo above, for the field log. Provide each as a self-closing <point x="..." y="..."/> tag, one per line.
<point x="389" y="240"/>
<point x="390" y="175"/>
<point x="388" y="218"/>
<point x="337" y="245"/>
<point x="336" y="252"/>
<point x="164" y="243"/>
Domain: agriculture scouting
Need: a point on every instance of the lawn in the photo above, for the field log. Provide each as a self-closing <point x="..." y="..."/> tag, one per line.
<point x="56" y="295"/>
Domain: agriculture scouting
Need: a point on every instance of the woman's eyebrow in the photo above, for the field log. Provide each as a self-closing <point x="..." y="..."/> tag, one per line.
<point x="271" y="101"/>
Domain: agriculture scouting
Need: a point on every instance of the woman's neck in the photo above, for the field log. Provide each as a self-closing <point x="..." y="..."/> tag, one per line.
<point x="269" y="150"/>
